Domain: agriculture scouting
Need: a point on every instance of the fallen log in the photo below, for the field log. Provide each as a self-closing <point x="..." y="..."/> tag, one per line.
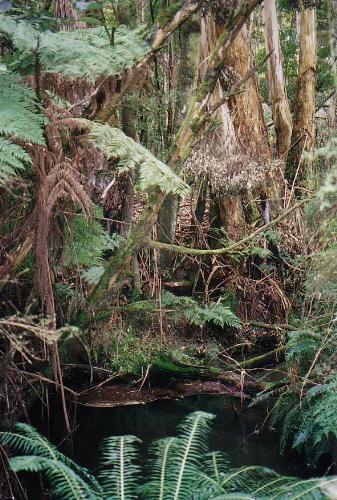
<point x="233" y="375"/>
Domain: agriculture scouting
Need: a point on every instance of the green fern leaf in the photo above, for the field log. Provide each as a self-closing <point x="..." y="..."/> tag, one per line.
<point x="190" y="446"/>
<point x="161" y="452"/>
<point x="152" y="172"/>
<point x="66" y="484"/>
<point x="20" y="118"/>
<point x="27" y="440"/>
<point x="84" y="53"/>
<point x="120" y="475"/>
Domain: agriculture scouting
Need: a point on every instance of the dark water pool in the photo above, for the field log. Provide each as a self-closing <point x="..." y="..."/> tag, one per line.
<point x="235" y="430"/>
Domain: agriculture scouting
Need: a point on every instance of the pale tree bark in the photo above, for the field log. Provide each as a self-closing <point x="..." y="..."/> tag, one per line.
<point x="333" y="39"/>
<point x="246" y="107"/>
<point x="304" y="131"/>
<point x="275" y="80"/>
<point x="247" y="112"/>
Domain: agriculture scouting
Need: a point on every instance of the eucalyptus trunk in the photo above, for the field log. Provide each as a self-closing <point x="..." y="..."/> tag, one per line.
<point x="242" y="131"/>
<point x="226" y="211"/>
<point x="275" y="81"/>
<point x="66" y="10"/>
<point x="304" y="132"/>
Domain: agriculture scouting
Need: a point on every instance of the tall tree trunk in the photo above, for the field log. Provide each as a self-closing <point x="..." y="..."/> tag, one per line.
<point x="246" y="107"/>
<point x="66" y="10"/>
<point x="174" y="78"/>
<point x="276" y="82"/>
<point x="226" y="211"/>
<point x="304" y="131"/>
<point x="129" y="127"/>
<point x="333" y="39"/>
<point x="242" y="133"/>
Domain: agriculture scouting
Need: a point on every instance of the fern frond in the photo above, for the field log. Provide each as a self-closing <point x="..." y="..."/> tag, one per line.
<point x="161" y="452"/>
<point x="19" y="112"/>
<point x="20" y="118"/>
<point x="12" y="159"/>
<point x="302" y="346"/>
<point x="84" y="53"/>
<point x="214" y="469"/>
<point x="86" y="240"/>
<point x="27" y="440"/>
<point x="65" y="483"/>
<point x="180" y="469"/>
<point x="184" y="464"/>
<point x="214" y="312"/>
<point x="120" y="474"/>
<point x="152" y="172"/>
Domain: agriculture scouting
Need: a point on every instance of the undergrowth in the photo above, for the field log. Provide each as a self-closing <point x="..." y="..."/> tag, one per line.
<point x="305" y="400"/>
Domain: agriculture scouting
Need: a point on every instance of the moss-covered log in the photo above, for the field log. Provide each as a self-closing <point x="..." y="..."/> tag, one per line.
<point x="170" y="367"/>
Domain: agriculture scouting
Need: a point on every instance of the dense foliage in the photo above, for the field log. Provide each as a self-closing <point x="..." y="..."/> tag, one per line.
<point x="168" y="187"/>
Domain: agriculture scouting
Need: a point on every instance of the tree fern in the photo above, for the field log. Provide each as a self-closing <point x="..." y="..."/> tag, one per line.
<point x="85" y="53"/>
<point x="120" y="475"/>
<point x="129" y="154"/>
<point x="20" y="117"/>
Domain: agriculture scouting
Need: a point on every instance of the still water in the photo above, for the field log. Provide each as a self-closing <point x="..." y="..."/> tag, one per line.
<point x="235" y="430"/>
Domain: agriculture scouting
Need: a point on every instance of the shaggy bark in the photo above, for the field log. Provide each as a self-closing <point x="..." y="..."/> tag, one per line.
<point x="275" y="81"/>
<point x="227" y="211"/>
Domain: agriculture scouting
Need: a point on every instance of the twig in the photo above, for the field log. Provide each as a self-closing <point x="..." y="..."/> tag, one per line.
<point x="48" y="381"/>
<point x="115" y="375"/>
